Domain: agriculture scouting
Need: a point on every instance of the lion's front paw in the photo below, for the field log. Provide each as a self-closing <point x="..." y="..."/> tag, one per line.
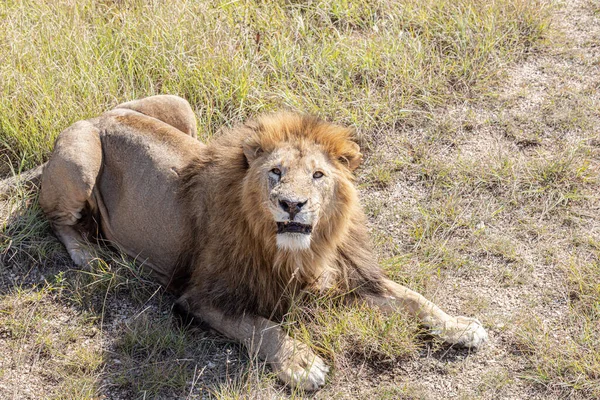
<point x="462" y="331"/>
<point x="302" y="369"/>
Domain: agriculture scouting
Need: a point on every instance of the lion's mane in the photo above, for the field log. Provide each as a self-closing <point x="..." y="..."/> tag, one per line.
<point x="232" y="260"/>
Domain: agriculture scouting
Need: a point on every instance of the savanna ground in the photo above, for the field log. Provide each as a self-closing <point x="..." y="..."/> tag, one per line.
<point x="480" y="123"/>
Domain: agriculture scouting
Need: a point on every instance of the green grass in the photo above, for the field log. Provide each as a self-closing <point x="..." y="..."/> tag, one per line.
<point x="460" y="184"/>
<point x="354" y="334"/>
<point x="371" y="63"/>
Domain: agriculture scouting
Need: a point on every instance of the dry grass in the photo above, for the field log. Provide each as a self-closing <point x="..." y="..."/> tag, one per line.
<point x="44" y="339"/>
<point x="481" y="190"/>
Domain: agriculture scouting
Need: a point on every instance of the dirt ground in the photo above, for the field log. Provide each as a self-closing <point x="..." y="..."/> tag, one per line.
<point x="520" y="121"/>
<point x="551" y="86"/>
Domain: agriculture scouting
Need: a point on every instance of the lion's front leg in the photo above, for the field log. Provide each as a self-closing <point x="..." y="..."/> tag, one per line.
<point x="291" y="360"/>
<point x="463" y="331"/>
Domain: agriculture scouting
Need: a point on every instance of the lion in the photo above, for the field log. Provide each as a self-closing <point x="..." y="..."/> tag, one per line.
<point x="235" y="228"/>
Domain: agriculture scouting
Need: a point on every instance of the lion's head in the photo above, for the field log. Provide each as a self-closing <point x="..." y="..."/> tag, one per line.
<point x="299" y="180"/>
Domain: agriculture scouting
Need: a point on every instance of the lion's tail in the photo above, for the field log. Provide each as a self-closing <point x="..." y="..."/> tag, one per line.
<point x="29" y="179"/>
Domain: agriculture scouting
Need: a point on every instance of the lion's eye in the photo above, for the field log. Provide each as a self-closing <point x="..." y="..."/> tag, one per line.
<point x="318" y="175"/>
<point x="276" y="171"/>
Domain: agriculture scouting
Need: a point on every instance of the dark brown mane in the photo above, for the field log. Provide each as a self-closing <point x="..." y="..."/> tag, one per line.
<point x="234" y="262"/>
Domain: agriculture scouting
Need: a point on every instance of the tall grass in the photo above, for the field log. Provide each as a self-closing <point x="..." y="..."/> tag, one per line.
<point x="368" y="62"/>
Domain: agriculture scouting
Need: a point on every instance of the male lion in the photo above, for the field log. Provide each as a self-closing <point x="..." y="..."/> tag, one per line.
<point x="237" y="227"/>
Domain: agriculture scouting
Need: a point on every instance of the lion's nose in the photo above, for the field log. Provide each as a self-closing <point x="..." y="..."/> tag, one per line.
<point x="291" y="207"/>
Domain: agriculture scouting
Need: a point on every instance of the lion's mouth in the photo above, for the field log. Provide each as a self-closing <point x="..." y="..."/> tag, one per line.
<point x="293" y="227"/>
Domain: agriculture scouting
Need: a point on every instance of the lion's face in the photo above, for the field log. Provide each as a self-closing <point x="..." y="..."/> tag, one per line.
<point x="299" y="177"/>
<point x="300" y="184"/>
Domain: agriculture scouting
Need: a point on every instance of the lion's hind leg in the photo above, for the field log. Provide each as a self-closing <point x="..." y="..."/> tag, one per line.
<point x="170" y="109"/>
<point x="68" y="181"/>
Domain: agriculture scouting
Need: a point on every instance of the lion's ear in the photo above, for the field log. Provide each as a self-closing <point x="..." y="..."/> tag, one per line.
<point x="352" y="156"/>
<point x="252" y="150"/>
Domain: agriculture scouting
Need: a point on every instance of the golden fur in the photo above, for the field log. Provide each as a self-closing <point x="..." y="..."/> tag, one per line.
<point x="235" y="261"/>
<point x="237" y="227"/>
